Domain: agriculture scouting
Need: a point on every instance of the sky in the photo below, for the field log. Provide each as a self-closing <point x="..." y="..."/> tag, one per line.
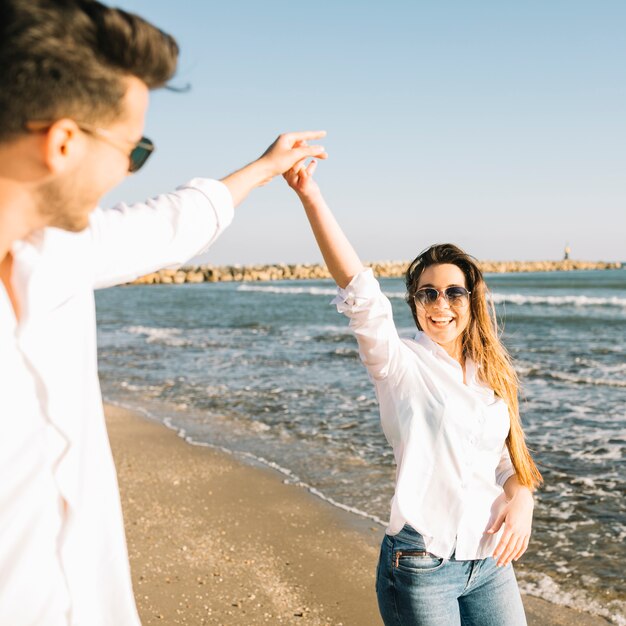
<point x="496" y="125"/>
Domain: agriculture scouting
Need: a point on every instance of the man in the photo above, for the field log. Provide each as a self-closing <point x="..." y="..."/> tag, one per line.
<point x="74" y="81"/>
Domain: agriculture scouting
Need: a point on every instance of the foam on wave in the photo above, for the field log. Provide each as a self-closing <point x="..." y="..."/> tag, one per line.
<point x="167" y="336"/>
<point x="311" y="291"/>
<point x="498" y="298"/>
<point x="543" y="586"/>
<point x="536" y="371"/>
<point x="576" y="301"/>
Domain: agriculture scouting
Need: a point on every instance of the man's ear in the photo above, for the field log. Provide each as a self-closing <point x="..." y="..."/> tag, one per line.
<point x="63" y="146"/>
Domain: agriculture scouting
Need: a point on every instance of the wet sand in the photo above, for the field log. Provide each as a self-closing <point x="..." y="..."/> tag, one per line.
<point x="214" y="540"/>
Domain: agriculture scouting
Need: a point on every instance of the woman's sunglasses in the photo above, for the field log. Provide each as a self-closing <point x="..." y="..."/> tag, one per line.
<point x="455" y="296"/>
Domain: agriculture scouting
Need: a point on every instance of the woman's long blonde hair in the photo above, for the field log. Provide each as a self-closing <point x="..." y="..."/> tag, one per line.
<point x="481" y="342"/>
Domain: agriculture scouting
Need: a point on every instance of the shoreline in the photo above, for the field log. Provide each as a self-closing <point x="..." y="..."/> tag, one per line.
<point x="213" y="540"/>
<point x="313" y="271"/>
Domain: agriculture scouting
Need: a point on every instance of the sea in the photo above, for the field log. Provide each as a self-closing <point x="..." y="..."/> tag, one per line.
<point x="270" y="372"/>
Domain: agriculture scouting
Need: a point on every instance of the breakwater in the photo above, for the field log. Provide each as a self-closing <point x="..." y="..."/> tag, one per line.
<point x="303" y="271"/>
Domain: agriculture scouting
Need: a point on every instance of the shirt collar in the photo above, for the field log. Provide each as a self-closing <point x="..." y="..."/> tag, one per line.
<point x="434" y="348"/>
<point x="38" y="278"/>
<point x="30" y="245"/>
<point x="471" y="367"/>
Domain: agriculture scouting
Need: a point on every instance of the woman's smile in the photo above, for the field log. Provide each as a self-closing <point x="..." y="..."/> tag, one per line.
<point x="440" y="321"/>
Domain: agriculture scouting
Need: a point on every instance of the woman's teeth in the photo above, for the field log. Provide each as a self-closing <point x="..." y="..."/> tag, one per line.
<point x="441" y="321"/>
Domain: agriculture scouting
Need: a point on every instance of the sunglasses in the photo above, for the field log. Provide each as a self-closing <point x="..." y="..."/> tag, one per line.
<point x="454" y="296"/>
<point x="139" y="151"/>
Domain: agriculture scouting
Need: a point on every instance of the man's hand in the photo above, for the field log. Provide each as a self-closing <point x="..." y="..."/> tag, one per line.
<point x="288" y="150"/>
<point x="292" y="148"/>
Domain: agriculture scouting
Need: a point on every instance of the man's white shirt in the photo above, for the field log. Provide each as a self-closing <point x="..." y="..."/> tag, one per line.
<point x="63" y="557"/>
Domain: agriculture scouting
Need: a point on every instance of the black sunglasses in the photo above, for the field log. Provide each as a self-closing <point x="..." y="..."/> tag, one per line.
<point x="455" y="296"/>
<point x="139" y="152"/>
<point x="136" y="157"/>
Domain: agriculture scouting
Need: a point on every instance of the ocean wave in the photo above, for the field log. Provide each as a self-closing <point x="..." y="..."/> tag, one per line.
<point x="587" y="380"/>
<point x="543" y="586"/>
<point x="572" y="300"/>
<point x="307" y="291"/>
<point x="310" y="291"/>
<point x="535" y="371"/>
<point x="600" y="452"/>
<point x="166" y="336"/>
<point x="498" y="298"/>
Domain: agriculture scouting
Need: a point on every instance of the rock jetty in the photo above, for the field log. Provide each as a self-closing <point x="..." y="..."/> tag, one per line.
<point x="387" y="269"/>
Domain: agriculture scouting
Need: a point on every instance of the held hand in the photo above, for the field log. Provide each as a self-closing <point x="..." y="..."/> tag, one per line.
<point x="517" y="516"/>
<point x="300" y="179"/>
<point x="282" y="155"/>
<point x="289" y="149"/>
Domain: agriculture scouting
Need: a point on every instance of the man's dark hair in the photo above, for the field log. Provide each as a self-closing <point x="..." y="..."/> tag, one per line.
<point x="68" y="58"/>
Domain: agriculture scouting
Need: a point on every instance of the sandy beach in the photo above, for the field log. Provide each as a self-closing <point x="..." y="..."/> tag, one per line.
<point x="214" y="540"/>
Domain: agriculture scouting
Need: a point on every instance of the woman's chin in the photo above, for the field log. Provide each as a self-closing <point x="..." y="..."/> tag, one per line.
<point x="442" y="333"/>
<point x="447" y="338"/>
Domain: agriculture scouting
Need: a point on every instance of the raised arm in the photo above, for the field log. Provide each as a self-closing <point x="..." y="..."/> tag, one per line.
<point x="359" y="297"/>
<point x="341" y="259"/>
<point x="128" y="241"/>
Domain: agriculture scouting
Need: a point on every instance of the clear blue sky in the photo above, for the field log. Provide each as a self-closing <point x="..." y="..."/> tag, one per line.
<point x="497" y="125"/>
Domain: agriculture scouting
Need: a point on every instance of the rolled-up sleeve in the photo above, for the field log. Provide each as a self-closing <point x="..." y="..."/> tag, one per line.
<point x="132" y="240"/>
<point x="371" y="320"/>
<point x="505" y="467"/>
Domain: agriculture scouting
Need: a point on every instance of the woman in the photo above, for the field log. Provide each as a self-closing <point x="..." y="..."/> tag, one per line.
<point x="463" y="504"/>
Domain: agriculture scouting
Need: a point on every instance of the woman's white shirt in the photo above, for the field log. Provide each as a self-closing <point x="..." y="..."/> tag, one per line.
<point x="448" y="436"/>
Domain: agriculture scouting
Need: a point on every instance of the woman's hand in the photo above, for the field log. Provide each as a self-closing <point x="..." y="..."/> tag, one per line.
<point x="286" y="152"/>
<point x="517" y="516"/>
<point x="290" y="149"/>
<point x="340" y="257"/>
<point x="300" y="179"/>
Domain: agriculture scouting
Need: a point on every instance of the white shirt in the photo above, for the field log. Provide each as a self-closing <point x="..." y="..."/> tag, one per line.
<point x="63" y="558"/>
<point x="447" y="436"/>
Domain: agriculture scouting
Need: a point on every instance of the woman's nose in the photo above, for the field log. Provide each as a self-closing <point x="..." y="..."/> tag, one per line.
<point x="442" y="300"/>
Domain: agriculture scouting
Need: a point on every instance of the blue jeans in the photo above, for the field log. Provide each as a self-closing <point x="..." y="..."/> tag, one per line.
<point x="416" y="588"/>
